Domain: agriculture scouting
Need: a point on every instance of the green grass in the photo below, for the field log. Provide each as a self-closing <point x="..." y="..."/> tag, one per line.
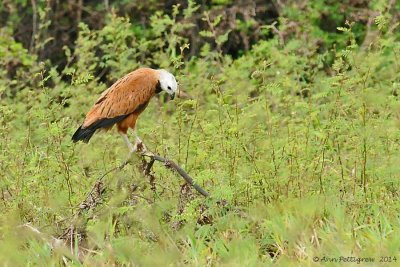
<point x="298" y="148"/>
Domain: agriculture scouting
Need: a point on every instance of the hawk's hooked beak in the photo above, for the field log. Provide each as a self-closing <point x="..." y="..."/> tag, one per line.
<point x="172" y="96"/>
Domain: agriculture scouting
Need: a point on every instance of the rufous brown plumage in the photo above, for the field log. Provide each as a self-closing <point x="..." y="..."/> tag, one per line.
<point x="124" y="101"/>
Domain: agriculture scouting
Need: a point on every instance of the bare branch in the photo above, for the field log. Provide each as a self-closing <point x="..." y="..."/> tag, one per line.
<point x="94" y="195"/>
<point x="172" y="165"/>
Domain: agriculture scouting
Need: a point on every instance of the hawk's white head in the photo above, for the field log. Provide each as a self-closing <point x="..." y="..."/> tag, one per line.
<point x="168" y="82"/>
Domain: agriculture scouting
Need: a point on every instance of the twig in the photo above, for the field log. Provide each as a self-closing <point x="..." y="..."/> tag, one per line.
<point x="90" y="200"/>
<point x="172" y="165"/>
<point x="93" y="198"/>
<point x="141" y="149"/>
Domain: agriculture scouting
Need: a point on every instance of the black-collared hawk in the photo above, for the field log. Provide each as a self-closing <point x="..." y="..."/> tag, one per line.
<point x="124" y="101"/>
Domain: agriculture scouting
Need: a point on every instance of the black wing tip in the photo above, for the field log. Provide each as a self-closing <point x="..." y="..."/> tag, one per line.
<point x="83" y="134"/>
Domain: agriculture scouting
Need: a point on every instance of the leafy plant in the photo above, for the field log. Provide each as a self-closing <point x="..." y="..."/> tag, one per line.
<point x="296" y="140"/>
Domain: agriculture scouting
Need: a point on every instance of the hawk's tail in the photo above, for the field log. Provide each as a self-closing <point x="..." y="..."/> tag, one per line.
<point x="83" y="134"/>
<point x="86" y="133"/>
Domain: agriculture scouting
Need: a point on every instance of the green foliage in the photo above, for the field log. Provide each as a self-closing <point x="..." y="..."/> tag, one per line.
<point x="297" y="141"/>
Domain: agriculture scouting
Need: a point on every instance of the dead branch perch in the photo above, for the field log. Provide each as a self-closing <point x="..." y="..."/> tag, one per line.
<point x="141" y="148"/>
<point x="172" y="165"/>
<point x="95" y="195"/>
<point x="98" y="187"/>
